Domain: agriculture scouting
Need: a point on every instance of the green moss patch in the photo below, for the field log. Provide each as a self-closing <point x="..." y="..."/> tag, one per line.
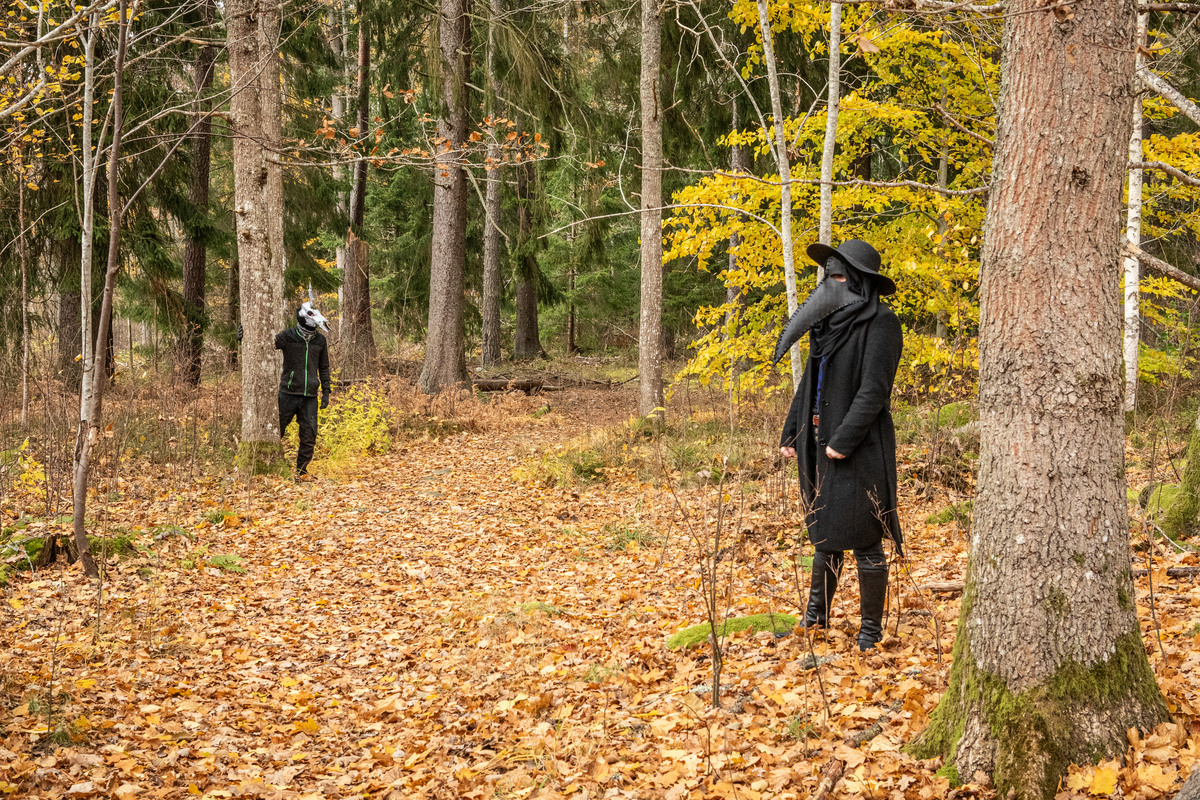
<point x="698" y="634"/>
<point x="263" y="458"/>
<point x="535" y="606"/>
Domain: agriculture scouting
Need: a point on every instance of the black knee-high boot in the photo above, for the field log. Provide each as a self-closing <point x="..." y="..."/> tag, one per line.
<point x="826" y="567"/>
<point x="872" y="585"/>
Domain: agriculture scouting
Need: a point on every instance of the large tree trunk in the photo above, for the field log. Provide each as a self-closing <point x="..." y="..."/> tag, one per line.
<point x="650" y="396"/>
<point x="1133" y="232"/>
<point x="195" y="251"/>
<point x="445" y="361"/>
<point x="527" y="345"/>
<point x="1049" y="666"/>
<point x="492" y="286"/>
<point x="785" y="177"/>
<point x="337" y="43"/>
<point x="358" y="352"/>
<point x="255" y="110"/>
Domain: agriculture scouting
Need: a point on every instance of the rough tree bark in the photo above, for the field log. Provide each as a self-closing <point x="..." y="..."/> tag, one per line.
<point x="195" y="251"/>
<point x="527" y="345"/>
<point x="358" y="352"/>
<point x="1133" y="232"/>
<point x="785" y="176"/>
<point x="70" y="335"/>
<point x="492" y="286"/>
<point x="233" y="310"/>
<point x="255" y="114"/>
<point x="650" y="395"/>
<point x="445" y="362"/>
<point x="1049" y="665"/>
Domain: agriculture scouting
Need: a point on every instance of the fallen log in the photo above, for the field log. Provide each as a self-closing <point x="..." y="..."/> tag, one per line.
<point x="830" y="775"/>
<point x="526" y="385"/>
<point x="956" y="587"/>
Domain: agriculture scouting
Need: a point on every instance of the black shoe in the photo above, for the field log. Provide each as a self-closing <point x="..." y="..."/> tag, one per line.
<point x="872" y="584"/>
<point x="825" y="570"/>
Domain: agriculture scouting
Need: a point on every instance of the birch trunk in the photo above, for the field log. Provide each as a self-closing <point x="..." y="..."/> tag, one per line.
<point x="650" y="395"/>
<point x="491" y="208"/>
<point x="825" y="225"/>
<point x="1049" y="665"/>
<point x="88" y="223"/>
<point x="785" y="177"/>
<point x="258" y="210"/>
<point x="89" y="426"/>
<point x="24" y="294"/>
<point x="1133" y="232"/>
<point x="445" y="362"/>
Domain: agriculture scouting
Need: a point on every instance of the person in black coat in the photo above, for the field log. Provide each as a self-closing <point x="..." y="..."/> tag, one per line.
<point x="305" y="369"/>
<point x="840" y="428"/>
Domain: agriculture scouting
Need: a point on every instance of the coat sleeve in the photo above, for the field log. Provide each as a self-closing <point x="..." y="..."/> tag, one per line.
<point x="791" y="425"/>
<point x="323" y="368"/>
<point x="279" y="340"/>
<point x="882" y="357"/>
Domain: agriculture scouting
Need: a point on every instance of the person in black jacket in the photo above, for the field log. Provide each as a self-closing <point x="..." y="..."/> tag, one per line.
<point x="305" y="368"/>
<point x="840" y="428"/>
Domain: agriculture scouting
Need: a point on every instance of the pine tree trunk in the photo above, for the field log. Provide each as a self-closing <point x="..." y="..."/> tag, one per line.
<point x="650" y="396"/>
<point x="784" y="166"/>
<point x="492" y="286"/>
<point x="526" y="343"/>
<point x="337" y="44"/>
<point x="1049" y="666"/>
<point x="1133" y="232"/>
<point x="233" y="307"/>
<point x="355" y="331"/>
<point x="70" y="336"/>
<point x="195" y="251"/>
<point x="445" y="361"/>
<point x="258" y="208"/>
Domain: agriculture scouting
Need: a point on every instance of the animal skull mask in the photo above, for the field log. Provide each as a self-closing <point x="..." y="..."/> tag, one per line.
<point x="310" y="318"/>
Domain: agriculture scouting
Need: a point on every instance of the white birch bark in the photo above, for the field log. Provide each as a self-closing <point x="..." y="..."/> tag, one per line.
<point x="1133" y="232"/>
<point x="825" y="229"/>
<point x="785" y="180"/>
<point x="88" y="226"/>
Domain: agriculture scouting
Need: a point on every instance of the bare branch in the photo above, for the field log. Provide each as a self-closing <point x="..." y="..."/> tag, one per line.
<point x="956" y="124"/>
<point x="1170" y="93"/>
<point x="1183" y="177"/>
<point x="71" y="21"/>
<point x="1163" y="268"/>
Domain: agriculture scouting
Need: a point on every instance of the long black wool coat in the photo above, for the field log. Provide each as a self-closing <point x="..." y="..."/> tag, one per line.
<point x="851" y="501"/>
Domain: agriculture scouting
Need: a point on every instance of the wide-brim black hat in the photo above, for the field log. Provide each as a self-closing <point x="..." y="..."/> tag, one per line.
<point x="859" y="255"/>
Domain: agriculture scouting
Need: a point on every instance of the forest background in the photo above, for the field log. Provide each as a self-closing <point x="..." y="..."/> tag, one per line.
<point x="470" y="188"/>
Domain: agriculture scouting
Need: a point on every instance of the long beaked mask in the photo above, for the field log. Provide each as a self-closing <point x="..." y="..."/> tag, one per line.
<point x="831" y="295"/>
<point x="310" y="318"/>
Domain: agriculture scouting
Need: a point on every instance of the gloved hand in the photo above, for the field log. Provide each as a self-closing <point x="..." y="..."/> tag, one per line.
<point x="325" y="400"/>
<point x="239" y="331"/>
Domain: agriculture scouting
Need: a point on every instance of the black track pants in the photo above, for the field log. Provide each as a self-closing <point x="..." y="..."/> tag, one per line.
<point x="304" y="411"/>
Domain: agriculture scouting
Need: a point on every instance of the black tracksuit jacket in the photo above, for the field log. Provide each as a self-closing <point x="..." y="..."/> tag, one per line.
<point x="305" y="363"/>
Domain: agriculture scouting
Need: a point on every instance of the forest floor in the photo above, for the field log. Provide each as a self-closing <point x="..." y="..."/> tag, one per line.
<point x="439" y="623"/>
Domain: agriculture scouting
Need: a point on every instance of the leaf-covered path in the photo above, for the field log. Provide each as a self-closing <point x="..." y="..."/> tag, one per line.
<point x="439" y="625"/>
